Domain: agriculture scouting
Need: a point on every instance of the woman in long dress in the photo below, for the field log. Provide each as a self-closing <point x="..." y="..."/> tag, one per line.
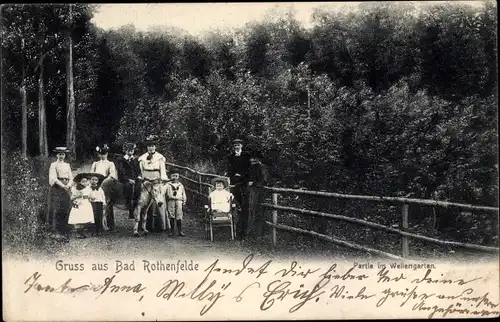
<point x="60" y="181"/>
<point x="82" y="212"/>
<point x="257" y="178"/>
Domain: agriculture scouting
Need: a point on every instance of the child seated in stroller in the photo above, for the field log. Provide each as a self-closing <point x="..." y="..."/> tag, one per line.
<point x="221" y="208"/>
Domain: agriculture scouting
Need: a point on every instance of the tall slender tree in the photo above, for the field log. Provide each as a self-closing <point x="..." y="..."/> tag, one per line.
<point x="42" y="116"/>
<point x="24" y="106"/>
<point x="71" y="115"/>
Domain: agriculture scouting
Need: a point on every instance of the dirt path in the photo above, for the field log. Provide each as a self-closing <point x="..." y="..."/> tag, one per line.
<point x="122" y="243"/>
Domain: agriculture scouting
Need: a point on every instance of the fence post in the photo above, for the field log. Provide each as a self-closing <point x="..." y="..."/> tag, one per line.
<point x="404" y="240"/>
<point x="275" y="216"/>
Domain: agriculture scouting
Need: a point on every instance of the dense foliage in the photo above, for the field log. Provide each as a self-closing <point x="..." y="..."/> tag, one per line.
<point x="24" y="200"/>
<point x="385" y="100"/>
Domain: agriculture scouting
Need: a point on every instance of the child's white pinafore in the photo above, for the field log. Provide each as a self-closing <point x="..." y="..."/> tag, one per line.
<point x="81" y="210"/>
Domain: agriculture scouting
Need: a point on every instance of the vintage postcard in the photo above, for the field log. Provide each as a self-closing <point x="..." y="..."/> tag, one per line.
<point x="250" y="161"/>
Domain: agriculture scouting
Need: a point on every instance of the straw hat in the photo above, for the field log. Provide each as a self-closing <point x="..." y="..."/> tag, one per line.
<point x="102" y="149"/>
<point x="151" y="139"/>
<point x="220" y="179"/>
<point x="82" y="175"/>
<point x="61" y="149"/>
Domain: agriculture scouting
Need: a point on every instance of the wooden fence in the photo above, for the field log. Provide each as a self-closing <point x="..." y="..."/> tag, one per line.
<point x="198" y="184"/>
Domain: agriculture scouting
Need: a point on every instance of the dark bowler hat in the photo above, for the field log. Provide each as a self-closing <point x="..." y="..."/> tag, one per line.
<point x="173" y="170"/>
<point x="237" y="141"/>
<point x="129" y="146"/>
<point x="151" y="139"/>
<point x="220" y="179"/>
<point x="102" y="149"/>
<point x="61" y="149"/>
<point x="99" y="176"/>
<point x="80" y="176"/>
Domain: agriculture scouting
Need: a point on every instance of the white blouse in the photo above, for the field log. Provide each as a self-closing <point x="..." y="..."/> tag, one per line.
<point x="59" y="169"/>
<point x="105" y="167"/>
<point x="154" y="168"/>
<point x="97" y="195"/>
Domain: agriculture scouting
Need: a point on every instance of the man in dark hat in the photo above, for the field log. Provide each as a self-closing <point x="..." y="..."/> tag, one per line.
<point x="129" y="174"/>
<point x="238" y="164"/>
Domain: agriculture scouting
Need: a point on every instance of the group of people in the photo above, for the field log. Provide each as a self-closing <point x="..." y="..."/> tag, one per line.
<point x="247" y="174"/>
<point x="89" y="197"/>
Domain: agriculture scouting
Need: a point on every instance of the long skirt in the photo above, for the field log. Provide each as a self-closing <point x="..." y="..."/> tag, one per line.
<point x="254" y="221"/>
<point x="59" y="208"/>
<point x="83" y="213"/>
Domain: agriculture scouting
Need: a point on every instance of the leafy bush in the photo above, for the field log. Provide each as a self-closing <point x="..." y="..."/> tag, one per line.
<point x="25" y="190"/>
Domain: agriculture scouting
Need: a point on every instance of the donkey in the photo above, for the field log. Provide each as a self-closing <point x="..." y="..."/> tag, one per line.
<point x="151" y="192"/>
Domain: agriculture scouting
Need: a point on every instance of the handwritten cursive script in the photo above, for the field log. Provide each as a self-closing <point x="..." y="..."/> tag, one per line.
<point x="269" y="286"/>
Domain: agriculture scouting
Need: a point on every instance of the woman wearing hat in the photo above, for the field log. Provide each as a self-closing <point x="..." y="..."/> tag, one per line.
<point x="257" y="178"/>
<point x="152" y="163"/>
<point x="60" y="180"/>
<point x="82" y="212"/>
<point x="108" y="170"/>
<point x="153" y="173"/>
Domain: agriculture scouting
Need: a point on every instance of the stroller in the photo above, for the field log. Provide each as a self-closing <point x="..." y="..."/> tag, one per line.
<point x="221" y="210"/>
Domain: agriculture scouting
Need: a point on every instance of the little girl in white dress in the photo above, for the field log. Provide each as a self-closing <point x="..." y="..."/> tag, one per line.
<point x="81" y="211"/>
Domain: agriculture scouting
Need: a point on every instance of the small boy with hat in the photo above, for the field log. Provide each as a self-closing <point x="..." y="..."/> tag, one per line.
<point x="97" y="200"/>
<point x="176" y="198"/>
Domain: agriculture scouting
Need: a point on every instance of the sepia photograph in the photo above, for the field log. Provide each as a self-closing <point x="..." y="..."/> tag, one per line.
<point x="301" y="160"/>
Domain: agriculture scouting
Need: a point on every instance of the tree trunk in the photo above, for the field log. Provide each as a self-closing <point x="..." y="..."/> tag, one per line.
<point x="24" y="111"/>
<point x="42" y="118"/>
<point x="71" y="122"/>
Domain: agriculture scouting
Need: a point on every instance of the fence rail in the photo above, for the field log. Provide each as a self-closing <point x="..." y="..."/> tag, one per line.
<point x="403" y="232"/>
<point x="382" y="227"/>
<point x="426" y="202"/>
<point x="191" y="170"/>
